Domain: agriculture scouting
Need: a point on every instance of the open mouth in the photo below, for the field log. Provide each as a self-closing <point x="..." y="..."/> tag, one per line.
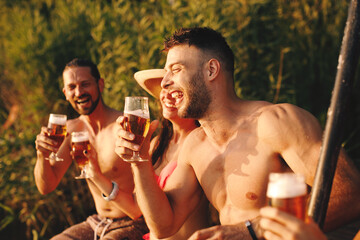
<point x="177" y="97"/>
<point x="173" y="99"/>
<point x="83" y="101"/>
<point x="176" y="94"/>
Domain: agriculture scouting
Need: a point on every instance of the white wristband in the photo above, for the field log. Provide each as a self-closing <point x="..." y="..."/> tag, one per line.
<point x="114" y="192"/>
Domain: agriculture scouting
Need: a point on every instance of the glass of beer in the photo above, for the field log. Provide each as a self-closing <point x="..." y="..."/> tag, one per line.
<point x="57" y="132"/>
<point x="79" y="143"/>
<point x="137" y="121"/>
<point x="288" y="192"/>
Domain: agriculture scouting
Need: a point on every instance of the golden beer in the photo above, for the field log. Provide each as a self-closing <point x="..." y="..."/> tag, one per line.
<point x="137" y="121"/>
<point x="288" y="192"/>
<point x="79" y="143"/>
<point x="57" y="132"/>
<point x="57" y="128"/>
<point x="138" y="125"/>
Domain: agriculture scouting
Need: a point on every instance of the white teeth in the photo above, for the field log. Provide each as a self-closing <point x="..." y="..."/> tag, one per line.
<point x="82" y="101"/>
<point x="175" y="94"/>
<point x="171" y="102"/>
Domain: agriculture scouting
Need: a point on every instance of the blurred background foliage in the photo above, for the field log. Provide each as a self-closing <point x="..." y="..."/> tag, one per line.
<point x="286" y="51"/>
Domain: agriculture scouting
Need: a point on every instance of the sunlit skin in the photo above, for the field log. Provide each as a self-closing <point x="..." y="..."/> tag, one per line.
<point x="278" y="225"/>
<point x="181" y="128"/>
<point x="231" y="155"/>
<point x="84" y="93"/>
<point x="169" y="111"/>
<point x="81" y="90"/>
<point x="357" y="236"/>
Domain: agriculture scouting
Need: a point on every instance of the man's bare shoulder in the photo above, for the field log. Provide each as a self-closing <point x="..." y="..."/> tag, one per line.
<point x="283" y="113"/>
<point x="196" y="136"/>
<point x="111" y="126"/>
<point x="283" y="121"/>
<point x="111" y="117"/>
<point x="272" y="108"/>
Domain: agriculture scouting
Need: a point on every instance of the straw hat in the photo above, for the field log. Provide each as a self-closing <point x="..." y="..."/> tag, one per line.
<point x="150" y="80"/>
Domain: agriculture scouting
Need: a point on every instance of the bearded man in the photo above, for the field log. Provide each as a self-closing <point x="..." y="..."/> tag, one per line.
<point x="232" y="153"/>
<point x="111" y="183"/>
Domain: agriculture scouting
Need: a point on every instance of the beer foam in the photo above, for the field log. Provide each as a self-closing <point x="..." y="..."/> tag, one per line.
<point x="286" y="185"/>
<point x="139" y="113"/>
<point x="79" y="136"/>
<point x="56" y="119"/>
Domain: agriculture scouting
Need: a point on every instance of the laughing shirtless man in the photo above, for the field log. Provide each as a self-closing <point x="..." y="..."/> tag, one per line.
<point x="112" y="181"/>
<point x="238" y="144"/>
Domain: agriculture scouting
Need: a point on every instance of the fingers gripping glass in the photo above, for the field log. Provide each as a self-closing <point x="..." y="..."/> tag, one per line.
<point x="57" y="132"/>
<point x="79" y="143"/>
<point x="288" y="192"/>
<point x="137" y="121"/>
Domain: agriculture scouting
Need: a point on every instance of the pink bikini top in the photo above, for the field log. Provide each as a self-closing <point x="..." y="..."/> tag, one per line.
<point x="166" y="173"/>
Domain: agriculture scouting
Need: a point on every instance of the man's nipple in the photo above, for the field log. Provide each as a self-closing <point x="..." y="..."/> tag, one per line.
<point x="251" y="196"/>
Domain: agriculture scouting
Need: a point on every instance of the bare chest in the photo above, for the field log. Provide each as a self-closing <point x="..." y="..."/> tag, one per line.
<point x="109" y="162"/>
<point x="235" y="179"/>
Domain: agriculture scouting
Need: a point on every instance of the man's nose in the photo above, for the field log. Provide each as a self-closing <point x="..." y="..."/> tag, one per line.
<point x="78" y="91"/>
<point x="166" y="81"/>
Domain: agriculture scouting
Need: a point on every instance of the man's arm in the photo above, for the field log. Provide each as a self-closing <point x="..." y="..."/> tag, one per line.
<point x="123" y="200"/>
<point x="297" y="136"/>
<point x="344" y="200"/>
<point x="48" y="173"/>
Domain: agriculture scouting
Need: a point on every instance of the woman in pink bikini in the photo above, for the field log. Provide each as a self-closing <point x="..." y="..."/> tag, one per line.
<point x="165" y="147"/>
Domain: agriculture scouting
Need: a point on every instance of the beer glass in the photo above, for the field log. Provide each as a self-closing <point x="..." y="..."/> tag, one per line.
<point x="79" y="143"/>
<point x="137" y="121"/>
<point x="288" y="192"/>
<point x="57" y="132"/>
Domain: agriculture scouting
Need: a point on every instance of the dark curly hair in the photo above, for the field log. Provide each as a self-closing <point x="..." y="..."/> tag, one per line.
<point x="207" y="40"/>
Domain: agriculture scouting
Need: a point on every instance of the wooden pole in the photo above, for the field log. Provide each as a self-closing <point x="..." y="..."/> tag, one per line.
<point x="332" y="137"/>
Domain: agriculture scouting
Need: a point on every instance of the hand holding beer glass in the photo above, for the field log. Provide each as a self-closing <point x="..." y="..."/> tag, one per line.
<point x="137" y="121"/>
<point x="79" y="143"/>
<point x="57" y="132"/>
<point x="288" y="192"/>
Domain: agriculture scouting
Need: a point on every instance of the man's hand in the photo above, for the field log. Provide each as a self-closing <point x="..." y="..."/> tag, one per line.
<point x="43" y="144"/>
<point x="280" y="225"/>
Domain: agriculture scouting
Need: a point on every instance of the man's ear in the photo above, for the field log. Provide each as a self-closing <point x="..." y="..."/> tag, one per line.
<point x="63" y="90"/>
<point x="101" y="84"/>
<point x="213" y="68"/>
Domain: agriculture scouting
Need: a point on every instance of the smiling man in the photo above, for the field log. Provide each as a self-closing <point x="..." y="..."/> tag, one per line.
<point x="232" y="153"/>
<point x="111" y="184"/>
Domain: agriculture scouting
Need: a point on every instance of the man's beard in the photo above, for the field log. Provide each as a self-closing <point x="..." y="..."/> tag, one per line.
<point x="93" y="106"/>
<point x="91" y="109"/>
<point x="199" y="98"/>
